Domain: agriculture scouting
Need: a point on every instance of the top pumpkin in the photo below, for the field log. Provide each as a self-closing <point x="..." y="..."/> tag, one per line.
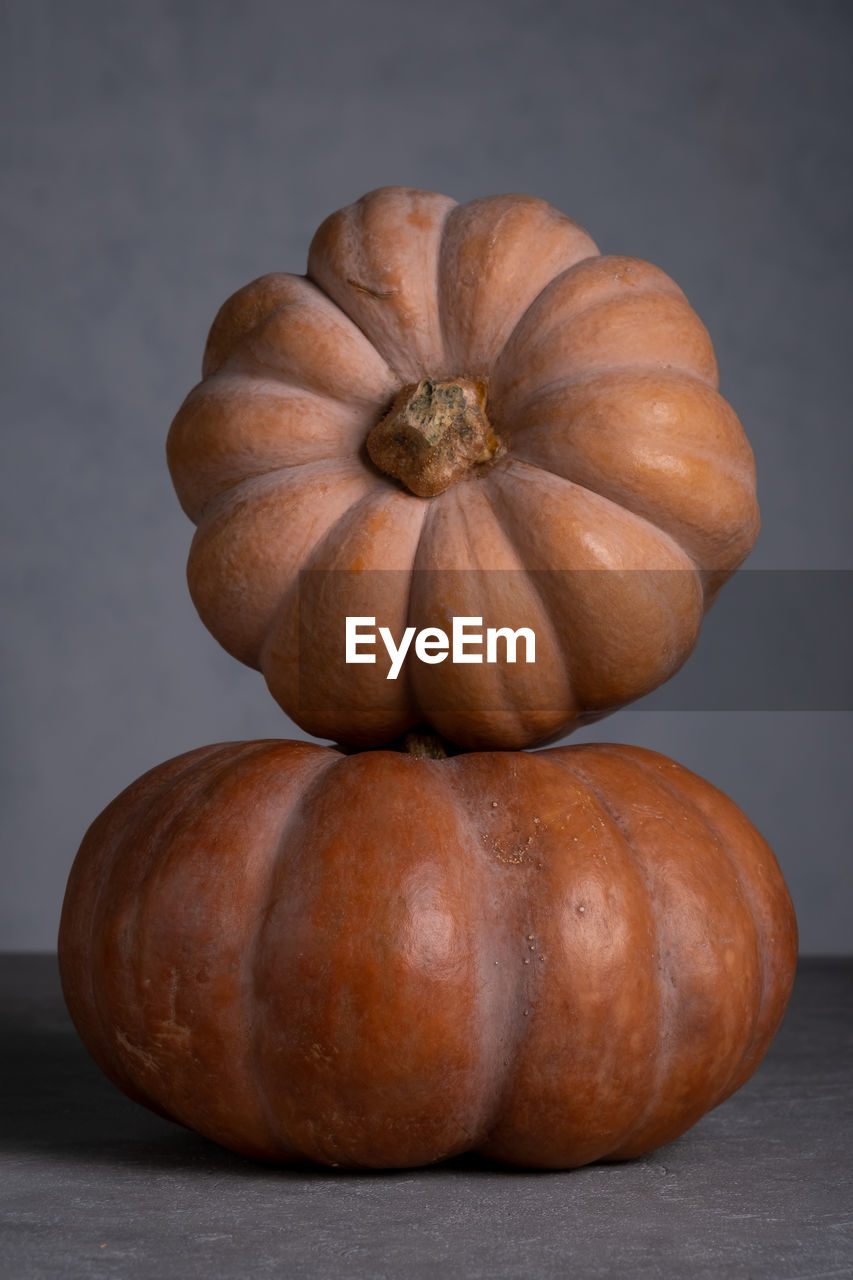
<point x="460" y="387"/>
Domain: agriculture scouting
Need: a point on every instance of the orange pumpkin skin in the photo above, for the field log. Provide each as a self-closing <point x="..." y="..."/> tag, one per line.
<point x="381" y="961"/>
<point x="615" y="465"/>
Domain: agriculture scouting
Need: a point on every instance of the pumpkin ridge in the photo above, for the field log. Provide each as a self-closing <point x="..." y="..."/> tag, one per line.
<point x="590" y="375"/>
<point x="509" y="207"/>
<point x="454" y="784"/>
<point x="584" y="310"/>
<point x="306" y="297"/>
<point x="624" y="501"/>
<point x="253" y="987"/>
<point x="546" y="438"/>
<point x="467" y="515"/>
<point x="745" y="885"/>
<point x="643" y="761"/>
<point x="243" y="311"/>
<point x="515" y="426"/>
<point x="216" y="424"/>
<point x="431" y="509"/>
<point x="231" y="515"/>
<point x="669" y="317"/>
<point x="489" y="865"/>
<point x="346" y="464"/>
<point x="512" y="534"/>
<point x="318" y="249"/>
<point x="242" y="364"/>
<point x="230" y="489"/>
<point x="516" y="430"/>
<point x="664" y="1038"/>
<point x="200" y="795"/>
<point x="682" y="552"/>
<point x="328" y="539"/>
<point x="207" y="762"/>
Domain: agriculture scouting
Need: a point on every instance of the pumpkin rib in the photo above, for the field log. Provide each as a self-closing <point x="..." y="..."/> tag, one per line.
<point x="463" y="775"/>
<point x="549" y="357"/>
<point x="235" y="533"/>
<point x="524" y="420"/>
<point x="207" y="793"/>
<point x="336" y="1118"/>
<point x="305" y="340"/>
<point x="441" y="590"/>
<point x="574" y="1145"/>
<point x="664" y="1026"/>
<point x="76" y="936"/>
<point x="683" y="798"/>
<point x="512" y="534"/>
<point x="246" y="364"/>
<point x="574" y="272"/>
<point x="495" y="231"/>
<point x="527" y="421"/>
<point x="756" y="912"/>
<point x="746" y="887"/>
<point x="216" y="441"/>
<point x="194" y="786"/>
<point x="470" y="855"/>
<point x="279" y="637"/>
<point x="327" y="267"/>
<point x="240" y="313"/>
<point x="692" y="565"/>
<point x="545" y="389"/>
<point x="281" y="468"/>
<point x="205" y="756"/>
<point x="295" y="812"/>
<point x="669" y="595"/>
<point x="677" y="530"/>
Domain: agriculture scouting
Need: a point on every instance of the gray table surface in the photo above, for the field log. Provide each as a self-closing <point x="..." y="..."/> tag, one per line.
<point x="93" y="1185"/>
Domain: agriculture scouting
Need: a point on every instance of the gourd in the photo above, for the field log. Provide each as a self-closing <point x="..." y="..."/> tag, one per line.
<point x="461" y="410"/>
<point x="384" y="959"/>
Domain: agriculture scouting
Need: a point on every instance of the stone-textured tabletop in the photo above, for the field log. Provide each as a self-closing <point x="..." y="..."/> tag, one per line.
<point x="94" y="1186"/>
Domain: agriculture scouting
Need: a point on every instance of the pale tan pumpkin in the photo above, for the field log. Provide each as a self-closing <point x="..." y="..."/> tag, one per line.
<point x="574" y="472"/>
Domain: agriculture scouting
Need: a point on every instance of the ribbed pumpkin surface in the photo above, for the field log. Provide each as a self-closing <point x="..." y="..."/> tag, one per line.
<point x="378" y="961"/>
<point x="621" y="472"/>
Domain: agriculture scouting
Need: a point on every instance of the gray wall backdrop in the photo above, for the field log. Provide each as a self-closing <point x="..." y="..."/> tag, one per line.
<point x="159" y="155"/>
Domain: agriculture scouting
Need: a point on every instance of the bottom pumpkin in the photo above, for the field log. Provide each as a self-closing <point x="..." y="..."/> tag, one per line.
<point x="383" y="960"/>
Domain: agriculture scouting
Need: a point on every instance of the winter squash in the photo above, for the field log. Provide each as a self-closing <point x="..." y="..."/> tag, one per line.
<point x="382" y="959"/>
<point x="461" y="410"/>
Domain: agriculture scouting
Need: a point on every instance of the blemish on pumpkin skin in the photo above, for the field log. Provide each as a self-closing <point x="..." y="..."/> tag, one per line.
<point x="379" y="294"/>
<point x="141" y="1055"/>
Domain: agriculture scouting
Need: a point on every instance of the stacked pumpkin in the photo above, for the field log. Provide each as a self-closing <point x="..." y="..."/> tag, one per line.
<point x="428" y="940"/>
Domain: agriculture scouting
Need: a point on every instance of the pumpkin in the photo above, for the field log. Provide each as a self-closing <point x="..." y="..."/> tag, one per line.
<point x="382" y="960"/>
<point x="461" y="410"/>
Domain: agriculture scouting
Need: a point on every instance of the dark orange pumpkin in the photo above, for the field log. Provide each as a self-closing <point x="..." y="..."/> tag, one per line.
<point x="458" y="389"/>
<point x="378" y="960"/>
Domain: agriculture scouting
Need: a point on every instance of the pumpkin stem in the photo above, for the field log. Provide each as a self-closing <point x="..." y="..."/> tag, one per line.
<point x="433" y="435"/>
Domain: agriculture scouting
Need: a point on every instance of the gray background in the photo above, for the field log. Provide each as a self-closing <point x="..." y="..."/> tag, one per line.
<point x="157" y="156"/>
